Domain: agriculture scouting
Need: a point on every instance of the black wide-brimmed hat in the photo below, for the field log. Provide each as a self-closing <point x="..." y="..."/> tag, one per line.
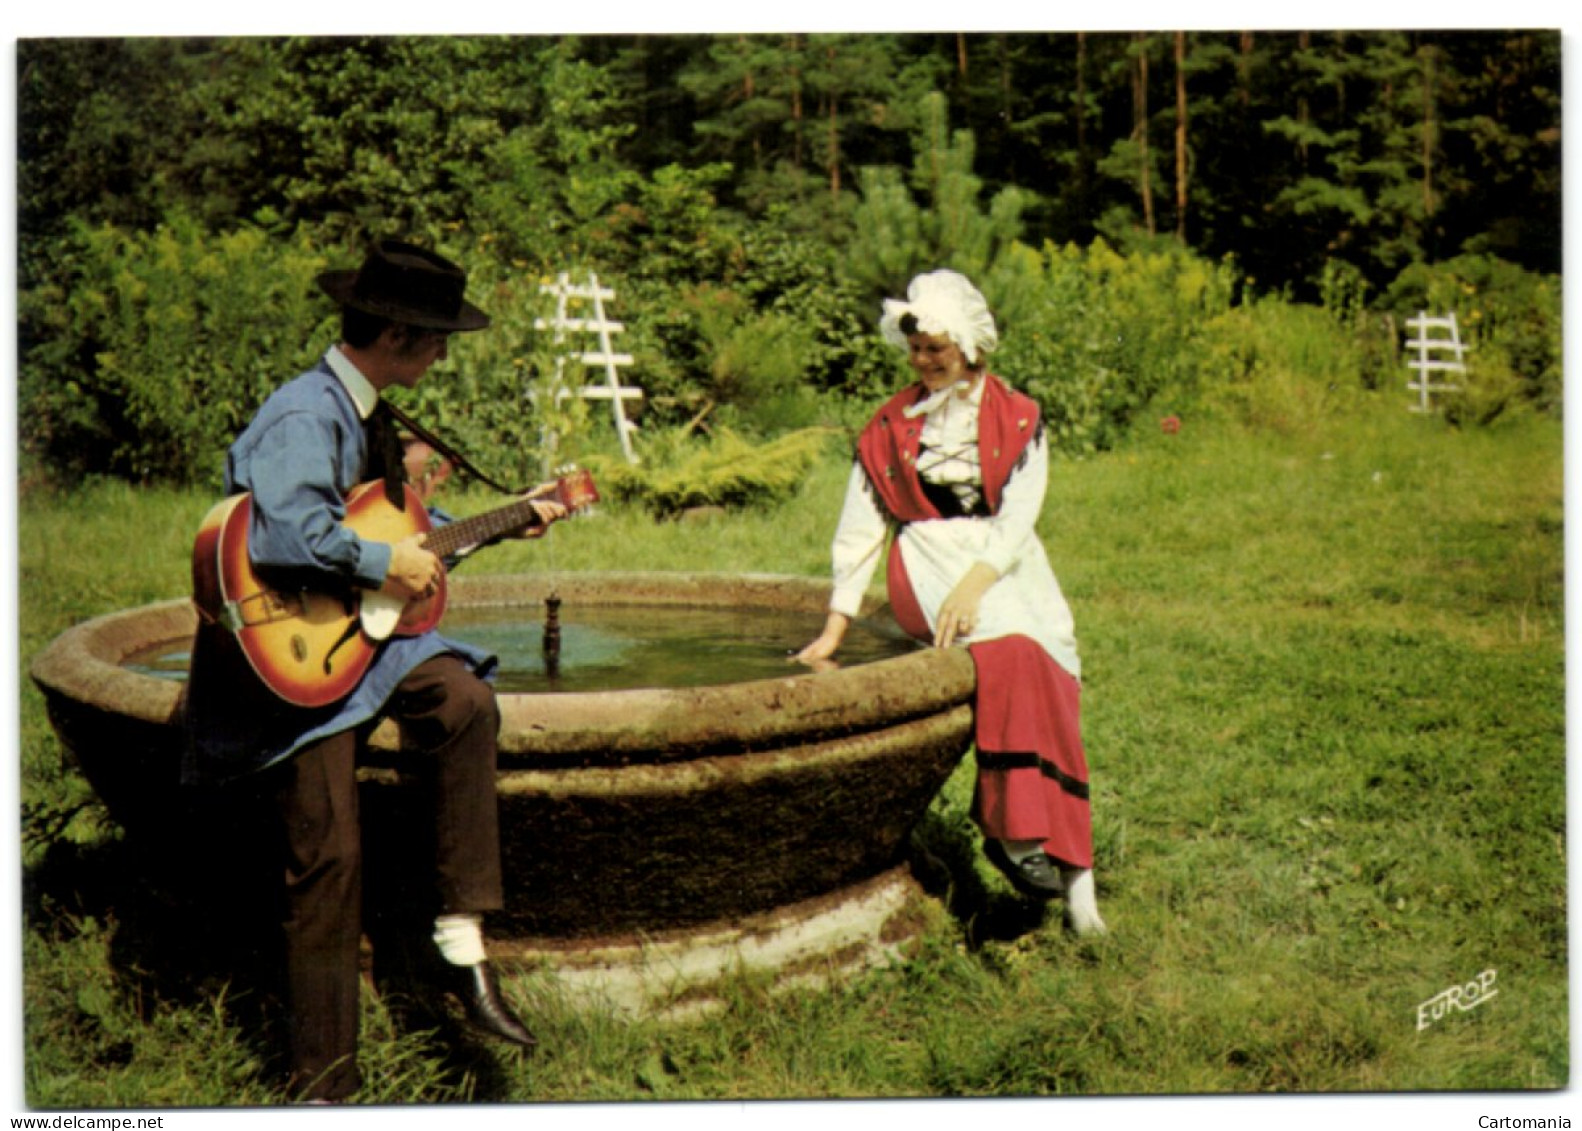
<point x="408" y="284"/>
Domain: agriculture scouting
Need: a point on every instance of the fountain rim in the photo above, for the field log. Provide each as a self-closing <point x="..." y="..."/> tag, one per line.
<point x="84" y="664"/>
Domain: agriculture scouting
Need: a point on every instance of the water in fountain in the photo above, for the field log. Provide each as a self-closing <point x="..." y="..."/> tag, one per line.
<point x="616" y="647"/>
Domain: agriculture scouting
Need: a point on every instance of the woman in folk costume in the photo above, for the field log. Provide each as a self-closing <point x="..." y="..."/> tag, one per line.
<point x="956" y="465"/>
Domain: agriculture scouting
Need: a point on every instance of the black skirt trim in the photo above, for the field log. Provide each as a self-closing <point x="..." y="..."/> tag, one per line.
<point x="995" y="760"/>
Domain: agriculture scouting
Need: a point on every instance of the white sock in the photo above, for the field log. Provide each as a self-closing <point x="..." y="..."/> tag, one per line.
<point x="1019" y="850"/>
<point x="1082" y="903"/>
<point x="460" y="939"/>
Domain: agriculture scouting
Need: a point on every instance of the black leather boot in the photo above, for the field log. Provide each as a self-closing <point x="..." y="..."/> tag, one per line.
<point x="478" y="990"/>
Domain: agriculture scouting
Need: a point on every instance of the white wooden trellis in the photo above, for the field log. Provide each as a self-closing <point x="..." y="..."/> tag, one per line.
<point x="604" y="355"/>
<point x="1436" y="354"/>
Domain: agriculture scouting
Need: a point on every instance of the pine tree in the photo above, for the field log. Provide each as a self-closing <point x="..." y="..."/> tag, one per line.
<point x="895" y="237"/>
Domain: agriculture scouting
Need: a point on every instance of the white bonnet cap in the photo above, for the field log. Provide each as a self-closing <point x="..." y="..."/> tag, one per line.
<point x="943" y="302"/>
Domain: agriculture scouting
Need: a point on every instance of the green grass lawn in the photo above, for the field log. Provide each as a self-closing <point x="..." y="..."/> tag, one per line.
<point x="1324" y="706"/>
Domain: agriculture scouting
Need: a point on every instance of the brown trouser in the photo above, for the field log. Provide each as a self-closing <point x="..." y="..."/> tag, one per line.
<point x="449" y="721"/>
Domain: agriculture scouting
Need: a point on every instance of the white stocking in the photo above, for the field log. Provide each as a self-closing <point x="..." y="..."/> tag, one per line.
<point x="1082" y="904"/>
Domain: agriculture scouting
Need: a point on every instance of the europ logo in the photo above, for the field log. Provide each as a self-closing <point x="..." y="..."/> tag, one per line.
<point x="1463" y="998"/>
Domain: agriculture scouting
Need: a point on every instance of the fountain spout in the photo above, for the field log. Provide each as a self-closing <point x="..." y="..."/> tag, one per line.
<point x="552" y="635"/>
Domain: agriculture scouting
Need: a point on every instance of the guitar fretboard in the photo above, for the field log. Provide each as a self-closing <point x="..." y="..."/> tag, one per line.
<point x="468" y="532"/>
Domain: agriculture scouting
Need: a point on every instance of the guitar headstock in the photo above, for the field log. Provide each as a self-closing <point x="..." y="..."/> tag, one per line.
<point x="575" y="489"/>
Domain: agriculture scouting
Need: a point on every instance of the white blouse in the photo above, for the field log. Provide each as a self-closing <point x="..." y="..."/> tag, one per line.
<point x="938" y="552"/>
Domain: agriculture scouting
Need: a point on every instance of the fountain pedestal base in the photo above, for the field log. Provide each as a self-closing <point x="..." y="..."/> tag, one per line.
<point x="677" y="975"/>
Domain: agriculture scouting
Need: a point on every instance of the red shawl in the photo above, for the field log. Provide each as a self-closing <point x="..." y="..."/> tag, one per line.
<point x="1007" y="421"/>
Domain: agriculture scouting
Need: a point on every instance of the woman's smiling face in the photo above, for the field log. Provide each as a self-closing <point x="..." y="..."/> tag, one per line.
<point x="937" y="361"/>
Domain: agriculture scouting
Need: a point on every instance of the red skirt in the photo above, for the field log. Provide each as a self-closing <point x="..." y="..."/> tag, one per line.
<point x="1032" y="769"/>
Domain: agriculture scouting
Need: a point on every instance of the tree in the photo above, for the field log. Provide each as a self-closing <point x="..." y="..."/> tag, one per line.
<point x="365" y="135"/>
<point x="102" y="129"/>
<point x="793" y="113"/>
<point x="1329" y="197"/>
<point x="896" y="237"/>
<point x="1131" y="159"/>
<point x="1504" y="123"/>
<point x="552" y="186"/>
<point x="1181" y="135"/>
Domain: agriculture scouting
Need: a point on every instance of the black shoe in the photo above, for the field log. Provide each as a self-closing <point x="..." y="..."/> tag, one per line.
<point x="479" y="992"/>
<point x="1034" y="875"/>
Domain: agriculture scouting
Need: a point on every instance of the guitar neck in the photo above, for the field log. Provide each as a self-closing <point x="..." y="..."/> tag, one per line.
<point x="468" y="532"/>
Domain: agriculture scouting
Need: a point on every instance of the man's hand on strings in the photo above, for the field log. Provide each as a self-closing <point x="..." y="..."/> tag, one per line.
<point x="546" y="508"/>
<point x="414" y="570"/>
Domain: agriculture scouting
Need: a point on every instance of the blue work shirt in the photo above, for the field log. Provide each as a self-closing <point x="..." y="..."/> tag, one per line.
<point x="299" y="457"/>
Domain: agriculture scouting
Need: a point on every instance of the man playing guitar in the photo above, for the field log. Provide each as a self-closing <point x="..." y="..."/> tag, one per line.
<point x="297" y="468"/>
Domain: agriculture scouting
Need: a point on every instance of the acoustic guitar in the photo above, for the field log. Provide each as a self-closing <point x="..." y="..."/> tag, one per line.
<point x="311" y="648"/>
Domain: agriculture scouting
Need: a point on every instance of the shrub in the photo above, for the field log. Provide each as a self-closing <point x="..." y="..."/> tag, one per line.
<point x="1095" y="336"/>
<point x="680" y="471"/>
<point x="1279" y="366"/>
<point x="1486" y="391"/>
<point x="776" y="338"/>
<point x="1502" y="309"/>
<point x="806" y="282"/>
<point x="145" y="352"/>
<point x="494" y="398"/>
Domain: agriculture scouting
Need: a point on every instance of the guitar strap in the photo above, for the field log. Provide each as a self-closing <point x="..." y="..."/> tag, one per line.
<point x="385" y="458"/>
<point x="441" y="447"/>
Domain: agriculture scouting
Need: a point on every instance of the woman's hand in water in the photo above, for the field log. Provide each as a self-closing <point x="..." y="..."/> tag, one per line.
<point x="819" y="654"/>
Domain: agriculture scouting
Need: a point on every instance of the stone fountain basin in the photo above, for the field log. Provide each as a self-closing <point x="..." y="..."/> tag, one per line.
<point x="669" y="818"/>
